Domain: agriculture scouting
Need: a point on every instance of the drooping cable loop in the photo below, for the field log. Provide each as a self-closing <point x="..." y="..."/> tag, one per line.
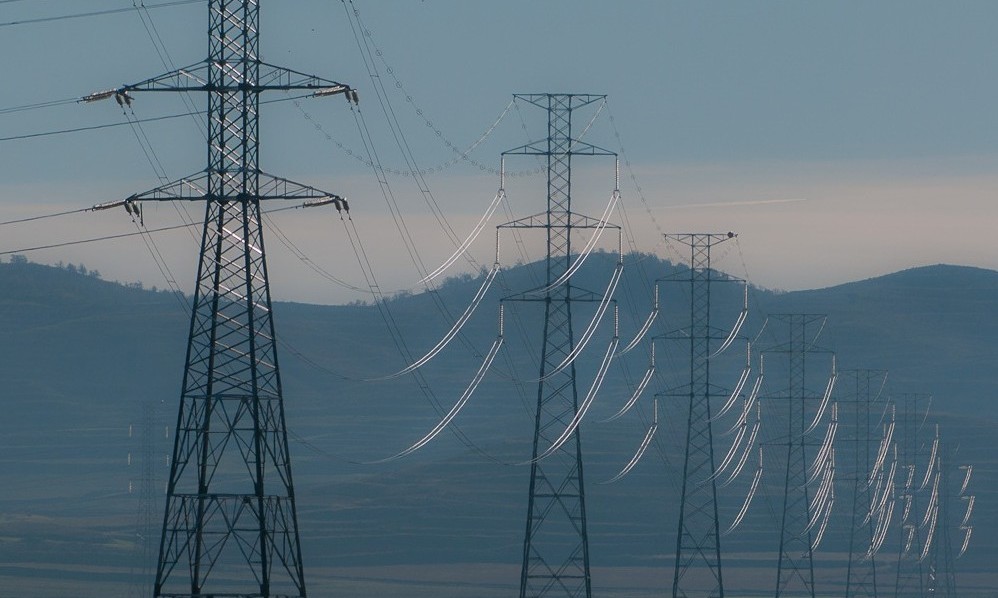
<point x="881" y="529"/>
<point x="970" y="509"/>
<point x="966" y="542"/>
<point x="455" y="329"/>
<point x="748" y="448"/>
<point x="932" y="460"/>
<point x="739" y="386"/>
<point x="966" y="477"/>
<point x="882" y="452"/>
<point x="584" y="407"/>
<point x="736" y="328"/>
<point x="644" y="328"/>
<point x="590" y="245"/>
<point x="459" y="405"/>
<point x="638" y="391"/>
<point x="749" y="402"/>
<point x="910" y="528"/>
<point x="591" y="328"/>
<point x="933" y="502"/>
<point x="468" y="240"/>
<point x="930" y="535"/>
<point x="748" y="498"/>
<point x="641" y="448"/>
<point x="825" y="398"/>
<point x="824" y="524"/>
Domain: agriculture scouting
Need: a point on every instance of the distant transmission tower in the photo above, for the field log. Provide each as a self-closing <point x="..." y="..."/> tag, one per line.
<point x="798" y="533"/>
<point x="230" y="527"/>
<point x="698" y="542"/>
<point x="862" y="388"/>
<point x="912" y="412"/>
<point x="942" y="570"/>
<point x="556" y="542"/>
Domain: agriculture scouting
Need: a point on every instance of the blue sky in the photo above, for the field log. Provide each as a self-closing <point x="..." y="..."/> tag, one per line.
<point x="840" y="139"/>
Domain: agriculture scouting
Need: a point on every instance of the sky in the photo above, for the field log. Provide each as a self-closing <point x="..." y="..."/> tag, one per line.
<point x="840" y="140"/>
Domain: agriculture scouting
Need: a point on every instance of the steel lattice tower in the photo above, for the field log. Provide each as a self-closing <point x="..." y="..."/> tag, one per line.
<point x="556" y="543"/>
<point x="864" y="388"/>
<point x="698" y="541"/>
<point x="230" y="526"/>
<point x="795" y="566"/>
<point x="942" y="570"/>
<point x="909" y="579"/>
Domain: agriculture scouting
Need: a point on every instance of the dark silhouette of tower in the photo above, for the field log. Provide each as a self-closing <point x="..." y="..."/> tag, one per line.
<point x="230" y="526"/>
<point x="698" y="541"/>
<point x="556" y="543"/>
<point x="909" y="578"/>
<point x="860" y="390"/>
<point x="795" y="565"/>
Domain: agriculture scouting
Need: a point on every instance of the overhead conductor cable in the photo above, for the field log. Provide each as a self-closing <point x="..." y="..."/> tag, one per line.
<point x="591" y="329"/>
<point x="748" y="448"/>
<point x="586" y="403"/>
<point x="469" y="240"/>
<point x="461" y="402"/>
<point x="824" y="402"/>
<point x="736" y="328"/>
<point x="641" y="448"/>
<point x="739" y="386"/>
<point x="637" y="391"/>
<point x="476" y="300"/>
<point x="748" y="498"/>
<point x="644" y="328"/>
<point x="590" y="245"/>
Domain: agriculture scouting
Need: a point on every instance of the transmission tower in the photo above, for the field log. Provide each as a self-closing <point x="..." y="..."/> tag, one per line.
<point x="698" y="541"/>
<point x="230" y="526"/>
<point x="556" y="543"/>
<point x="862" y="388"/>
<point x="795" y="567"/>
<point x="942" y="570"/>
<point x="909" y="578"/>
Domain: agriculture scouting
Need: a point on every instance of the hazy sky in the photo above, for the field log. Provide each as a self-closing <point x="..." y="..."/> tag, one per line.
<point x="841" y="140"/>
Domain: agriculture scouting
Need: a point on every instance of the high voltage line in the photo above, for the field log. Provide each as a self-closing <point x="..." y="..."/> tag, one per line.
<point x="95" y="13"/>
<point x="118" y="124"/>
<point x="106" y="237"/>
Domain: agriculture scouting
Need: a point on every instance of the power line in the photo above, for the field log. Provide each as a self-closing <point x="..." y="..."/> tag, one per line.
<point x="44" y="216"/>
<point x="95" y="13"/>
<point x="120" y="124"/>
<point x="110" y="237"/>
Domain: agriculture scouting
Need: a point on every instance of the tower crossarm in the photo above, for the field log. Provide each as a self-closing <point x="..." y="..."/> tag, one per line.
<point x="576" y="221"/>
<point x="577" y="148"/>
<point x="195" y="188"/>
<point x="230" y="77"/>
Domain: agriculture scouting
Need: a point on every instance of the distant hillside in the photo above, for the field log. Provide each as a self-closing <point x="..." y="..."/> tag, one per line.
<point x="92" y="372"/>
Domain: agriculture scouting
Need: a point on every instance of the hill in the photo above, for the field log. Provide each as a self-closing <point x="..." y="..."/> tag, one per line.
<point x="92" y="370"/>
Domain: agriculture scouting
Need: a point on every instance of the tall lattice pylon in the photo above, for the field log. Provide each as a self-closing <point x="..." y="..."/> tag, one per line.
<point x="909" y="578"/>
<point x="795" y="565"/>
<point x="698" y="540"/>
<point x="230" y="526"/>
<point x="861" y="389"/>
<point x="941" y="574"/>
<point x="556" y="542"/>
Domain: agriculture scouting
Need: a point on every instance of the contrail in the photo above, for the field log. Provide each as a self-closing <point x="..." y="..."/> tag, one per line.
<point x="718" y="204"/>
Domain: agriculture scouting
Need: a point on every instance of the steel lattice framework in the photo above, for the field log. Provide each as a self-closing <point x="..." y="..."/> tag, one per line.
<point x="698" y="541"/>
<point x="941" y="570"/>
<point x="909" y="579"/>
<point x="795" y="565"/>
<point x="556" y="542"/>
<point x="863" y="388"/>
<point x="230" y="526"/>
